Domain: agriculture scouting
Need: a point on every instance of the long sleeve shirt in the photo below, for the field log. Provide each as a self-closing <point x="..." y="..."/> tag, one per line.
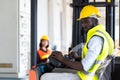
<point x="94" y="48"/>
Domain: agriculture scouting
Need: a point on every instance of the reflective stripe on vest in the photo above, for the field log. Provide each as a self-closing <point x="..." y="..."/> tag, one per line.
<point x="43" y="55"/>
<point x="107" y="45"/>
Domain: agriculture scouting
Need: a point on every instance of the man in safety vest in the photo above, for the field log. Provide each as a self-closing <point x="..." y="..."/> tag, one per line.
<point x="98" y="46"/>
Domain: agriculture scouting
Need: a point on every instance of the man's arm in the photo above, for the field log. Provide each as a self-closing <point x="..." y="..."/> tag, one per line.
<point x="77" y="65"/>
<point x="94" y="49"/>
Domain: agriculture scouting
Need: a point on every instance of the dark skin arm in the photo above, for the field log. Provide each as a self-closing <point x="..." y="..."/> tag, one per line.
<point x="72" y="64"/>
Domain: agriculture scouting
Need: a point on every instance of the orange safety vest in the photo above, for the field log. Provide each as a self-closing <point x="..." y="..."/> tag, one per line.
<point x="43" y="55"/>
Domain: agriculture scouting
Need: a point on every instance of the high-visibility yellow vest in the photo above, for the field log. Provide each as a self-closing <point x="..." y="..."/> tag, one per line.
<point x="107" y="49"/>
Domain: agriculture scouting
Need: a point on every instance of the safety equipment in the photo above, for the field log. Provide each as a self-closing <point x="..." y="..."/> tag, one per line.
<point x="88" y="11"/>
<point x="44" y="37"/>
<point x="43" y="55"/>
<point x="107" y="49"/>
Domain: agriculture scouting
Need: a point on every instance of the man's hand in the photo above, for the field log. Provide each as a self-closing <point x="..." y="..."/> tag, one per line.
<point x="57" y="55"/>
<point x="72" y="64"/>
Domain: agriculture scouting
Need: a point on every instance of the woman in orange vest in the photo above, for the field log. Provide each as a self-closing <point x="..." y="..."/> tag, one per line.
<point x="42" y="57"/>
<point x="43" y="53"/>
